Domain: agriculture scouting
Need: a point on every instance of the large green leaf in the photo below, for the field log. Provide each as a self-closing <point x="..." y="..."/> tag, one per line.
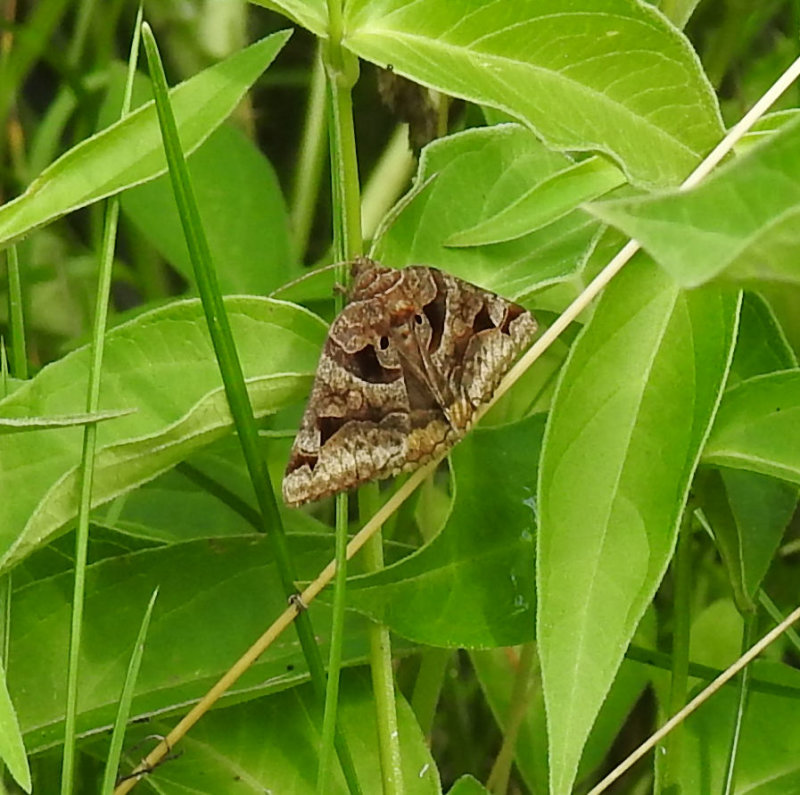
<point x="472" y="586"/>
<point x="130" y="152"/>
<point x="469" y="178"/>
<point x="607" y="75"/>
<point x="741" y="223"/>
<point x="758" y="427"/>
<point x="629" y="420"/>
<point x="272" y="745"/>
<point x="161" y="363"/>
<point x="216" y="597"/>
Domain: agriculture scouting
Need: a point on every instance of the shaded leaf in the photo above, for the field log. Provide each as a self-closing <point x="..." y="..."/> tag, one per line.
<point x="216" y="597"/>
<point x="244" y="216"/>
<point x="761" y="345"/>
<point x="272" y="745"/>
<point x="747" y="514"/>
<point x="12" y="749"/>
<point x="472" y="586"/>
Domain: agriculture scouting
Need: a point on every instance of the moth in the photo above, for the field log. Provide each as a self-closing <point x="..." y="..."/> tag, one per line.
<point x="405" y="366"/>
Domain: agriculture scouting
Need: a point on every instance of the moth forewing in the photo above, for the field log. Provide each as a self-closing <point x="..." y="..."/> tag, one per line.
<point x="404" y="368"/>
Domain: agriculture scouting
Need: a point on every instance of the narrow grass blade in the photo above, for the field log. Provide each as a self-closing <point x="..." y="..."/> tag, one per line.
<point x="231" y="372"/>
<point x="88" y="456"/>
<point x="125" y="700"/>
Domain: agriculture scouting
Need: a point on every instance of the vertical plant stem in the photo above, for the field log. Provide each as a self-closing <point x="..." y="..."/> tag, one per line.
<point x="233" y="378"/>
<point x="342" y="71"/>
<point x="501" y="771"/>
<point x="428" y="686"/>
<point x="680" y="650"/>
<point x="88" y="453"/>
<point x="381" y="665"/>
<point x="748" y="634"/>
<point x="309" y="166"/>
<point x="19" y="359"/>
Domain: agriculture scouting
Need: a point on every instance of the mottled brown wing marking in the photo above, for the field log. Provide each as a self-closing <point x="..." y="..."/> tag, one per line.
<point x="435" y="311"/>
<point x="405" y="366"/>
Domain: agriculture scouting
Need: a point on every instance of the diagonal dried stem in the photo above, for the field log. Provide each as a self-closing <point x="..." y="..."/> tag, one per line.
<point x="419" y="475"/>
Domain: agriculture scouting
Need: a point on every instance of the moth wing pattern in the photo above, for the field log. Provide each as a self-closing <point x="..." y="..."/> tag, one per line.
<point x="405" y="366"/>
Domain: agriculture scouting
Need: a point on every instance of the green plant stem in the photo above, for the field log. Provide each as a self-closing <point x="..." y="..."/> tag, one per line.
<point x="341" y="68"/>
<point x="381" y="663"/>
<point x="708" y="673"/>
<point x="428" y="686"/>
<point x="88" y="454"/>
<point x="501" y="770"/>
<point x="748" y="635"/>
<point x="335" y="651"/>
<point x="309" y="166"/>
<point x="679" y="683"/>
<point x="19" y="359"/>
<point x="233" y="378"/>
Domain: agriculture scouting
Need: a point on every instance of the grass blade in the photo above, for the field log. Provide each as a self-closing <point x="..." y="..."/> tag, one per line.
<point x="88" y="454"/>
<point x="231" y="372"/>
<point x="125" y="700"/>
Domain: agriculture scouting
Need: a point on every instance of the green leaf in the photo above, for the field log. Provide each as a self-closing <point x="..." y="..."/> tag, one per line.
<point x="16" y="424"/>
<point x="243" y="212"/>
<point x="310" y="14"/>
<point x="606" y="75"/>
<point x="162" y="363"/>
<point x="495" y="671"/>
<point x="544" y="202"/>
<point x="758" y="427"/>
<point x="747" y="514"/>
<point x="761" y="346"/>
<point x="488" y="169"/>
<point x="271" y="745"/>
<point x="472" y="586"/>
<point x="174" y="507"/>
<point x="216" y="597"/>
<point x="130" y="152"/>
<point x="467" y="785"/>
<point x="767" y="762"/>
<point x="740" y="224"/>
<point x="629" y="419"/>
<point x="12" y="748"/>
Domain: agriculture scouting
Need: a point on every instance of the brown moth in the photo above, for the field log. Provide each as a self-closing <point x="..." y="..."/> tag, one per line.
<point x="406" y="364"/>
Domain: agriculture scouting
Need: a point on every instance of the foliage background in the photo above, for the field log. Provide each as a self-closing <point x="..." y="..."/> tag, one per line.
<point x="459" y="604"/>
